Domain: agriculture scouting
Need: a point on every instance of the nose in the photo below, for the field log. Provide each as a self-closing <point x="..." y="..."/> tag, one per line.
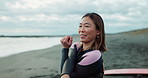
<point x="82" y="29"/>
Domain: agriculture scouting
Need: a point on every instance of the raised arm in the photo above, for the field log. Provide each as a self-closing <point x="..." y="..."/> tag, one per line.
<point x="66" y="43"/>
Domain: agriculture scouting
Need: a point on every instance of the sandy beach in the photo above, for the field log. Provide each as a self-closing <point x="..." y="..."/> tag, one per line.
<point x="126" y="50"/>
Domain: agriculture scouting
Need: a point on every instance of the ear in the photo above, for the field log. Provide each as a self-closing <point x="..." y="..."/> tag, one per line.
<point x="98" y="32"/>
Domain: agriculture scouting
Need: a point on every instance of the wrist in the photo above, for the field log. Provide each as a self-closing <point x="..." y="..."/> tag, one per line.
<point x="65" y="76"/>
<point x="66" y="47"/>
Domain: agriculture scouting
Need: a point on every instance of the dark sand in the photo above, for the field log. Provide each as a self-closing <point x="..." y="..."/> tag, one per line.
<point x="126" y="50"/>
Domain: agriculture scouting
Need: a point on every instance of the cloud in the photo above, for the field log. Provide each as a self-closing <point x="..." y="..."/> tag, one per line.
<point x="31" y="4"/>
<point x="37" y="17"/>
<point x="4" y="18"/>
<point x="54" y="16"/>
<point x="51" y="6"/>
<point x="21" y="31"/>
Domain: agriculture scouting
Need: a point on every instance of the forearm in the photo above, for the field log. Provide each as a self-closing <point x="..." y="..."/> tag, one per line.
<point x="64" y="56"/>
<point x="70" y="62"/>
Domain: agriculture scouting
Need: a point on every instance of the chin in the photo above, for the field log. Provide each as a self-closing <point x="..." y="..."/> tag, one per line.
<point x="83" y="41"/>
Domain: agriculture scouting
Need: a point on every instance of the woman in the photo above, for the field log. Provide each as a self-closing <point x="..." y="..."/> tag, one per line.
<point x="84" y="60"/>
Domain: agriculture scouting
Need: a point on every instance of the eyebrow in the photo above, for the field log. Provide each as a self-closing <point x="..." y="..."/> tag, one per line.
<point x="86" y="23"/>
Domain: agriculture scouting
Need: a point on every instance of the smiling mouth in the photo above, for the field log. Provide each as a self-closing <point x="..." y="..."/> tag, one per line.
<point x="82" y="35"/>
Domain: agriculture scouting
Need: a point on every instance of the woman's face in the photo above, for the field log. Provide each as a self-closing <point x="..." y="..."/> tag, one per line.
<point x="87" y="30"/>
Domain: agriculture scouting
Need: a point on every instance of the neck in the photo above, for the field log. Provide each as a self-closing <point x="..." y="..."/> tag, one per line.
<point x="87" y="46"/>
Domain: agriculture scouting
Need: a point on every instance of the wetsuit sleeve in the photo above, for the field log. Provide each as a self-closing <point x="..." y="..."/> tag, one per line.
<point x="64" y="56"/>
<point x="70" y="62"/>
<point x="89" y="67"/>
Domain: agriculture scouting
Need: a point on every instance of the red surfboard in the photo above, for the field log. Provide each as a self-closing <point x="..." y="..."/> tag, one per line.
<point x="126" y="71"/>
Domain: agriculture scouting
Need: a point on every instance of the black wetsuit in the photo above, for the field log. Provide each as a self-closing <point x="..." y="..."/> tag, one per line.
<point x="81" y="64"/>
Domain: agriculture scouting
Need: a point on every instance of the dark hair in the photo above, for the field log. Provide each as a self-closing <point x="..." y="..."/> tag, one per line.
<point x="99" y="43"/>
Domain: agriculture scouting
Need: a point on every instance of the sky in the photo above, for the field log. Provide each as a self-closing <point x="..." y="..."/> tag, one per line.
<point x="62" y="17"/>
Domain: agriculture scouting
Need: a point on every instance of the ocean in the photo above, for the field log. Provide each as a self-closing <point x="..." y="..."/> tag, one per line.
<point x="9" y="46"/>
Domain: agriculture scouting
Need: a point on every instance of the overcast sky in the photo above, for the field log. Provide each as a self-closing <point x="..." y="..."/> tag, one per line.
<point x="62" y="17"/>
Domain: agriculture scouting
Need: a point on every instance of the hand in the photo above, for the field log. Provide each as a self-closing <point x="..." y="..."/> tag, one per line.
<point x="66" y="41"/>
<point x="65" y="76"/>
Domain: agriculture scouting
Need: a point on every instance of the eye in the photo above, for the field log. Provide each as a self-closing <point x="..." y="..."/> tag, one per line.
<point x="80" y="26"/>
<point x="87" y="26"/>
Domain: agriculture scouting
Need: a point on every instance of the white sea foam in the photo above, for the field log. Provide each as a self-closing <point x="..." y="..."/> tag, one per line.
<point x="9" y="46"/>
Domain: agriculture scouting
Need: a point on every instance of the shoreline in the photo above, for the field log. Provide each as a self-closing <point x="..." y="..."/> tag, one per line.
<point x="10" y="46"/>
<point x="125" y="51"/>
<point x="20" y="52"/>
<point x="29" y="36"/>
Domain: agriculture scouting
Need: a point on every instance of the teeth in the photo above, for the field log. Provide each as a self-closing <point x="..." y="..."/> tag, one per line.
<point x="82" y="35"/>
